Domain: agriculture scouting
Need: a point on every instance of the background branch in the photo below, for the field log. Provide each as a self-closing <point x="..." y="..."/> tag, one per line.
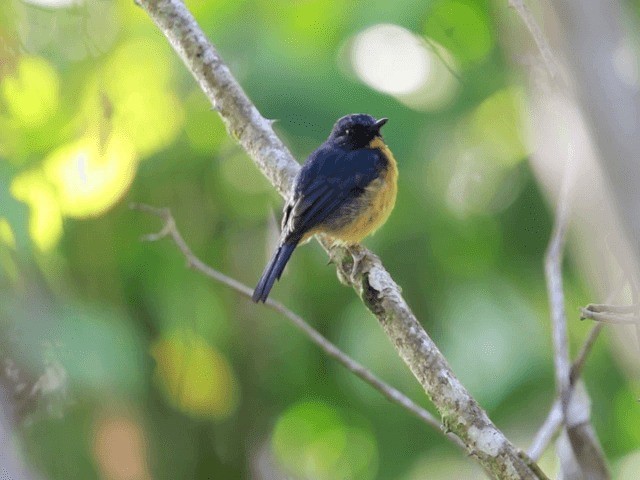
<point x="555" y="291"/>
<point x="460" y="412"/>
<point x="579" y="450"/>
<point x="553" y="422"/>
<point x="536" y="32"/>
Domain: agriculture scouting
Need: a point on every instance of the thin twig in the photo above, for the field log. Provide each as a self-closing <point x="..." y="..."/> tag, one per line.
<point x="550" y="427"/>
<point x="585" y="350"/>
<point x="436" y="49"/>
<point x="608" y="317"/>
<point x="553" y="274"/>
<point x="547" y="431"/>
<point x="607" y="308"/>
<point x="170" y="230"/>
<point x="536" y="32"/>
<point x="587" y="454"/>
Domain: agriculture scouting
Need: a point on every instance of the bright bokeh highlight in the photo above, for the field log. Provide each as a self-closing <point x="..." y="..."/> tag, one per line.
<point x="90" y="177"/>
<point x="32" y="92"/>
<point x="393" y="60"/>
<point x="389" y="59"/>
<point x="135" y="85"/>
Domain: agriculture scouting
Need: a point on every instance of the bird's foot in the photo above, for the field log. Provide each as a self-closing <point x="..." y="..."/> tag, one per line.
<point x="334" y="255"/>
<point x="357" y="255"/>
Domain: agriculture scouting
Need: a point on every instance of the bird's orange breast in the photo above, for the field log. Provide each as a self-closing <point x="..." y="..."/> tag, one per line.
<point x="375" y="204"/>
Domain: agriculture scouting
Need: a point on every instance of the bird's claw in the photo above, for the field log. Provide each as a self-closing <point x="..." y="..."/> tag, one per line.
<point x="334" y="255"/>
<point x="357" y="255"/>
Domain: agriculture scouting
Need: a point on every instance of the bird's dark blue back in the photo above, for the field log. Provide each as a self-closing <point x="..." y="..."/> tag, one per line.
<point x="330" y="178"/>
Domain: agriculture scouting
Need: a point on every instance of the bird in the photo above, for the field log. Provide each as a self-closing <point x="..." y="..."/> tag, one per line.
<point x="346" y="189"/>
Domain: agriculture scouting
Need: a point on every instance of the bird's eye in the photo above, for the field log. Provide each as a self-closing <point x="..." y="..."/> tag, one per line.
<point x="347" y="131"/>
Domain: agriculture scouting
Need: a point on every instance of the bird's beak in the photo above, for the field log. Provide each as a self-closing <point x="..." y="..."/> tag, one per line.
<point x="379" y="124"/>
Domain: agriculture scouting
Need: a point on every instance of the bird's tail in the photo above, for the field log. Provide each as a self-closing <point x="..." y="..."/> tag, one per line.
<point x="273" y="270"/>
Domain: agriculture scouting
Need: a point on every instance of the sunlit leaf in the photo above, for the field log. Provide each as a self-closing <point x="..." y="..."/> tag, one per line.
<point x="89" y="178"/>
<point x="32" y="92"/>
<point x="136" y="82"/>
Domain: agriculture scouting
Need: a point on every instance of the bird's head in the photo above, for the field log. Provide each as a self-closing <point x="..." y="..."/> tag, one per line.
<point x="356" y="130"/>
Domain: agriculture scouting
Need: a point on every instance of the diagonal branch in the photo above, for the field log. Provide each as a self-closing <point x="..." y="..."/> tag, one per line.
<point x="553" y="422"/>
<point x="460" y="412"/>
<point x="571" y="409"/>
<point x="170" y="230"/>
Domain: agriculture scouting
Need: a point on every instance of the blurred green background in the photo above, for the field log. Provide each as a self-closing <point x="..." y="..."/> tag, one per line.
<point x="141" y="368"/>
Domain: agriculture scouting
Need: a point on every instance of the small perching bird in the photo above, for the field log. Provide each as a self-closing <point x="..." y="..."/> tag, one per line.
<point x="346" y="189"/>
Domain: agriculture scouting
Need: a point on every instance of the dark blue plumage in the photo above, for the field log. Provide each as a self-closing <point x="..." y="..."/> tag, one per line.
<point x="330" y="191"/>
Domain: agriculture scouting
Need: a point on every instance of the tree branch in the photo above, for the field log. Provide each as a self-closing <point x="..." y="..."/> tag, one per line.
<point x="170" y="230"/>
<point x="608" y="317"/>
<point x="586" y="456"/>
<point x="460" y="412"/>
<point x="550" y="427"/>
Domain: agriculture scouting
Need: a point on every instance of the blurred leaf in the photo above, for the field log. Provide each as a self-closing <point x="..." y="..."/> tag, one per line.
<point x="202" y="310"/>
<point x="202" y="126"/>
<point x="195" y="377"/>
<point x="627" y="415"/>
<point x="100" y="351"/>
<point x="463" y="27"/>
<point x="90" y="179"/>
<point x="304" y="27"/>
<point x="45" y="218"/>
<point x="136" y="81"/>
<point x="32" y="94"/>
<point x="496" y="126"/>
<point x="311" y="440"/>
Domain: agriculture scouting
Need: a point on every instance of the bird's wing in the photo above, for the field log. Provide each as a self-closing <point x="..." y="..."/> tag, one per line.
<point x="328" y="179"/>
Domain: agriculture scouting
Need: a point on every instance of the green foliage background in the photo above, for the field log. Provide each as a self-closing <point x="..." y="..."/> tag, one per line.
<point x="167" y="375"/>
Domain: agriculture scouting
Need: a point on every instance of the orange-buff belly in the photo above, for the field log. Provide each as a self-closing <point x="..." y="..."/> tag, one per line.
<point x="377" y="202"/>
